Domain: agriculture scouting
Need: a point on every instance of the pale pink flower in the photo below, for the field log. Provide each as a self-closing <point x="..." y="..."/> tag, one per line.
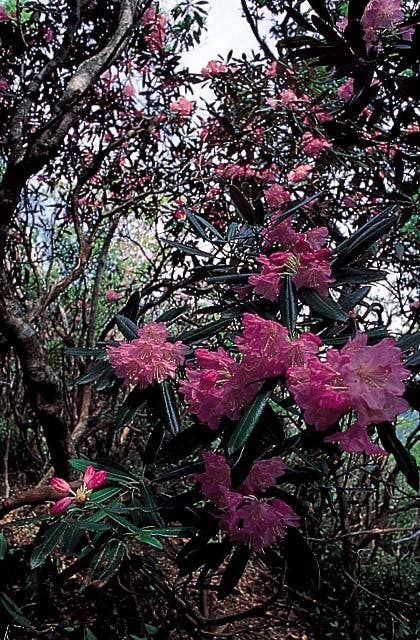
<point x="272" y="102"/>
<point x="182" y="107"/>
<point x="149" y="358"/>
<point x="345" y="91"/>
<point x="355" y="440"/>
<point x="213" y="68"/>
<point x="314" y="146"/>
<point x="218" y="388"/>
<point x="129" y="90"/>
<point x="272" y="69"/>
<point x="301" y="172"/>
<point x="155" y="24"/>
<point x="92" y="480"/>
<point x="112" y="296"/>
<point x="275" y="196"/>
<point x="375" y="378"/>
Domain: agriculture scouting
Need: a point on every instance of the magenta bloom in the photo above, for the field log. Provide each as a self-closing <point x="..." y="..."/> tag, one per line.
<point x="355" y="439"/>
<point x="111" y="295"/>
<point x="375" y="378"/>
<point x="245" y="517"/>
<point x="276" y="196"/>
<point x="182" y="107"/>
<point x="272" y="70"/>
<point x="155" y="24"/>
<point x="314" y="146"/>
<point x="300" y="172"/>
<point x="91" y="480"/>
<point x="379" y="15"/>
<point x="345" y="91"/>
<point x="218" y="387"/>
<point x="150" y="358"/>
<point x="314" y="271"/>
<point x="213" y="68"/>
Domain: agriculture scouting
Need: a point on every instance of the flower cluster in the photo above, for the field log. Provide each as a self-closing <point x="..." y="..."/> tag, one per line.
<point x="302" y="257"/>
<point x="155" y="24"/>
<point x="247" y="518"/>
<point x="222" y="387"/>
<point x="378" y="15"/>
<point x="148" y="358"/>
<point x="366" y="379"/>
<point x="314" y="146"/>
<point x="213" y="68"/>
<point x="182" y="107"/>
<point x="91" y="480"/>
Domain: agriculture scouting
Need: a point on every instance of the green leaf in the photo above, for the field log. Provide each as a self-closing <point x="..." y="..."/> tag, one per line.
<point x="102" y="495"/>
<point x="249" y="421"/>
<point x="3" y="546"/>
<point x="85" y="351"/>
<point x="94" y="373"/>
<point x="324" y="307"/>
<point x="405" y="461"/>
<point x="128" y="328"/>
<point x="348" y="302"/>
<point x="204" y="332"/>
<point x="413" y="362"/>
<point x="171" y="532"/>
<point x="405" y="343"/>
<point x="15" y="611"/>
<point x="364" y="238"/>
<point x="230" y="277"/>
<point x="242" y="204"/>
<point x="107" y="562"/>
<point x="234" y="571"/>
<point x="288" y="305"/>
<point x="201" y="226"/>
<point x="146" y="538"/>
<point x="172" y="314"/>
<point x="131" y="309"/>
<point x="171" y="410"/>
<point x="354" y="274"/>
<point x="154" y="443"/>
<point x="50" y="540"/>
<point x="88" y="635"/>
<point x="132" y="403"/>
<point x="193" y="251"/>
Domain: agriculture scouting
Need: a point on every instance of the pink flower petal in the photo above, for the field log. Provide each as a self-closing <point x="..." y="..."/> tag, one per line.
<point x="60" y="485"/>
<point x="61" y="506"/>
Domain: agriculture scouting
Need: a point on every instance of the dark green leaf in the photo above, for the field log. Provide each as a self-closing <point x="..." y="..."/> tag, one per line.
<point x="234" y="571"/>
<point x="405" y="461"/>
<point x="128" y="328"/>
<point x="242" y="204"/>
<point x="249" y="421"/>
<point x="132" y="403"/>
<point x="88" y="635"/>
<point x="172" y="314"/>
<point x="154" y="443"/>
<point x="95" y="373"/>
<point x="324" y="307"/>
<point x="405" y="343"/>
<point x="204" y="332"/>
<point x="115" y="472"/>
<point x="413" y="362"/>
<point x="50" y="539"/>
<point x="171" y="410"/>
<point x="354" y="274"/>
<point x="363" y="238"/>
<point x="131" y="309"/>
<point x="15" y="611"/>
<point x="302" y="567"/>
<point x="85" y="351"/>
<point x="102" y="495"/>
<point x="3" y="546"/>
<point x="107" y="562"/>
<point x="288" y="304"/>
<point x="193" y="251"/>
<point x="170" y="532"/>
<point x="146" y="538"/>
<point x="230" y="277"/>
<point x="206" y="230"/>
<point x="350" y="301"/>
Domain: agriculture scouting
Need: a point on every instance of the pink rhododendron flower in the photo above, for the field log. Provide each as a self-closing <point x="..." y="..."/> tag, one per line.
<point x="314" y="271"/>
<point x="182" y="107"/>
<point x="301" y="172"/>
<point x="375" y="378"/>
<point x="215" y="476"/>
<point x="319" y="389"/>
<point x="263" y="475"/>
<point x="244" y="516"/>
<point x="92" y="480"/>
<point x="112" y="296"/>
<point x="288" y="97"/>
<point x="314" y="146"/>
<point x="4" y="16"/>
<point x="275" y="196"/>
<point x="218" y="387"/>
<point x="378" y="15"/>
<point x="345" y="91"/>
<point x="272" y="69"/>
<point x="213" y="68"/>
<point x="155" y="24"/>
<point x="149" y="358"/>
<point x="355" y="439"/>
<point x="129" y="90"/>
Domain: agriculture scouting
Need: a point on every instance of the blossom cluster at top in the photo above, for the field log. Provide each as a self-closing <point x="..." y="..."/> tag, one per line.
<point x="299" y="255"/>
<point x="367" y="380"/>
<point x="149" y="358"/>
<point x="247" y="518"/>
<point x="91" y="480"/>
<point x="156" y="25"/>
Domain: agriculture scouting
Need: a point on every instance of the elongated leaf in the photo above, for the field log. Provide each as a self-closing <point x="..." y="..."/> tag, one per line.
<point x="154" y="443"/>
<point x="172" y="314"/>
<point x="102" y="495"/>
<point x="249" y="421"/>
<point x="181" y="472"/>
<point x="88" y="525"/>
<point x="206" y="230"/>
<point x="405" y="343"/>
<point x="3" y="546"/>
<point x="297" y="206"/>
<point x="171" y="410"/>
<point x="363" y="238"/>
<point x="170" y="532"/>
<point x="288" y="305"/>
<point x="147" y="538"/>
<point x="241" y="203"/>
<point x="204" y="332"/>
<point x="152" y="508"/>
<point x="128" y="328"/>
<point x="354" y="274"/>
<point x="413" y="361"/>
<point x="88" y="635"/>
<point x="234" y="571"/>
<point x="405" y="461"/>
<point x="230" y="277"/>
<point x="15" y="611"/>
<point x="349" y="302"/>
<point x="108" y="561"/>
<point x="50" y="540"/>
<point x="131" y="309"/>
<point x="85" y="351"/>
<point x="192" y="251"/>
<point x="324" y="307"/>
<point x="94" y="373"/>
<point x="132" y="403"/>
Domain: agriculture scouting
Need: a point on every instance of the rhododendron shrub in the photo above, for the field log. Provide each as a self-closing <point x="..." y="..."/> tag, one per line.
<point x="207" y="310"/>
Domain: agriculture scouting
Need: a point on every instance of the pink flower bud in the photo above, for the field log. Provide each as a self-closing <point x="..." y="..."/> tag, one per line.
<point x="60" y="485"/>
<point x="61" y="506"/>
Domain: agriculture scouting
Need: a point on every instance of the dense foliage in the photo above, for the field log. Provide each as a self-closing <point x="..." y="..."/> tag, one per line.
<point x="208" y="314"/>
